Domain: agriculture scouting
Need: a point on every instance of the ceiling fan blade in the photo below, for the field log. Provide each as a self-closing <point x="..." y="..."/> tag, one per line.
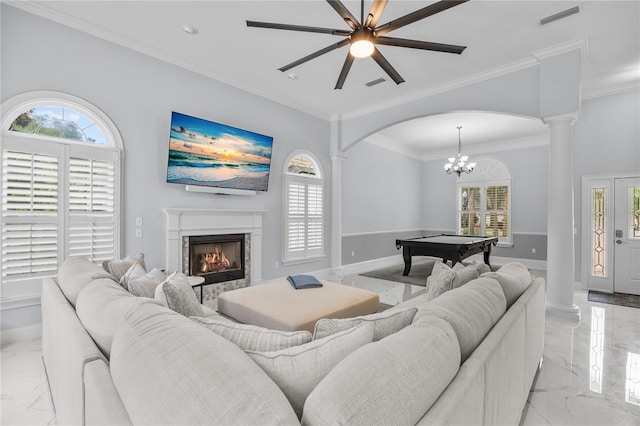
<point x="315" y="54"/>
<point x="417" y="44"/>
<point x="348" y="17"/>
<point x="345" y="70"/>
<point x="303" y="28"/>
<point x="386" y="66"/>
<point x="419" y="14"/>
<point x="375" y="13"/>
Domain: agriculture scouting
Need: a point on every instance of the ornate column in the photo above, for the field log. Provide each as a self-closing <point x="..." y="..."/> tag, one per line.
<point x="560" y="243"/>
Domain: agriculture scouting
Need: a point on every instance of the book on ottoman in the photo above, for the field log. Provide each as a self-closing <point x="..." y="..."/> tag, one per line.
<point x="304" y="281"/>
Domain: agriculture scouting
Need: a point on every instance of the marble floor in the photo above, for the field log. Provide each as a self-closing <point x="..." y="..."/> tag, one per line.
<point x="590" y="374"/>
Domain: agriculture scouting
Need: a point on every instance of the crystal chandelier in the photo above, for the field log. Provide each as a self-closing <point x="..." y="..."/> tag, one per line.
<point x="459" y="165"/>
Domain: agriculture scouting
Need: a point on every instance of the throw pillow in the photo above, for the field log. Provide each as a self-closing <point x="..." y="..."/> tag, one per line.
<point x="145" y="285"/>
<point x="464" y="274"/>
<point x="135" y="271"/>
<point x="385" y="323"/>
<point x="514" y="278"/>
<point x="176" y="293"/>
<point x="254" y="338"/>
<point x="299" y="369"/>
<point x="118" y="268"/>
<point x="440" y="280"/>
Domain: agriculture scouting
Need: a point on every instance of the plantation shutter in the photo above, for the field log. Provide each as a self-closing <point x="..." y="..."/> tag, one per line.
<point x="496" y="211"/>
<point x="29" y="214"/>
<point x="91" y="208"/>
<point x="296" y="217"/>
<point x="314" y="217"/>
<point x="304" y="218"/>
<point x="469" y="210"/>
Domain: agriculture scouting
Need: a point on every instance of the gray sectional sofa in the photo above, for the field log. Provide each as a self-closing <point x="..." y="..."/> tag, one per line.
<point x="468" y="357"/>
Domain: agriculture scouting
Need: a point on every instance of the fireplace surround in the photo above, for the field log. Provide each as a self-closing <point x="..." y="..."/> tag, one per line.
<point x="183" y="224"/>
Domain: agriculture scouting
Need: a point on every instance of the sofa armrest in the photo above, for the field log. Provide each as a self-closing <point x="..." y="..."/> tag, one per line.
<point x="102" y="403"/>
<point x="66" y="347"/>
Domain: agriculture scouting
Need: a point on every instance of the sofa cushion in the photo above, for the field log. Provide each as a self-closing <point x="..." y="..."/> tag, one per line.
<point x="386" y="323"/>
<point x="170" y="370"/>
<point x="253" y="338"/>
<point x="145" y="285"/>
<point x="100" y="306"/>
<point x="472" y="310"/>
<point x="177" y="294"/>
<point x="393" y="381"/>
<point x="464" y="273"/>
<point x="514" y="278"/>
<point x="117" y="268"/>
<point x="299" y="369"/>
<point x="75" y="274"/>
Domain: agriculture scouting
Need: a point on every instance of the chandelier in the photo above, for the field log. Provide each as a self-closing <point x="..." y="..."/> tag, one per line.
<point x="459" y="165"/>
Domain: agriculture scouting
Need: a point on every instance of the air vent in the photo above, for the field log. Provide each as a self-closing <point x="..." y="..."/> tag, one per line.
<point x="560" y="15"/>
<point x="376" y="81"/>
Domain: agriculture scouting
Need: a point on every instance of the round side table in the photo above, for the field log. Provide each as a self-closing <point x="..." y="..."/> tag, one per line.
<point x="197" y="281"/>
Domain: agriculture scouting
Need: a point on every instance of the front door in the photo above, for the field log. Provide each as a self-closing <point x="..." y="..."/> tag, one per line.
<point x="627" y="236"/>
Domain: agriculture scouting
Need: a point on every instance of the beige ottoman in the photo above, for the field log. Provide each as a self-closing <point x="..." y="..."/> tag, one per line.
<point x="279" y="306"/>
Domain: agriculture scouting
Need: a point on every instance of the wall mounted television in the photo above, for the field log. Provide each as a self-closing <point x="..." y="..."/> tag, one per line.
<point x="209" y="154"/>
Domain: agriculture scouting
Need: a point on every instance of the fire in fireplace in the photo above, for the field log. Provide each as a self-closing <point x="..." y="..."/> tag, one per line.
<point x="217" y="258"/>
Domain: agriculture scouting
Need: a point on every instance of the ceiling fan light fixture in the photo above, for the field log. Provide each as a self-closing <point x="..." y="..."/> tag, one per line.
<point x="361" y="44"/>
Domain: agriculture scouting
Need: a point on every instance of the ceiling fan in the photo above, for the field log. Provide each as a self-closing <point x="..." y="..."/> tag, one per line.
<point x="364" y="35"/>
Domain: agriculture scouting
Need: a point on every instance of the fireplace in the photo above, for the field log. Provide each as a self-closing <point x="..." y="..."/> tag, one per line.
<point x="217" y="258"/>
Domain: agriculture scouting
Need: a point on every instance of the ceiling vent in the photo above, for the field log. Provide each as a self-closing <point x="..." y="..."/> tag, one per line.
<point x="376" y="81"/>
<point x="560" y="15"/>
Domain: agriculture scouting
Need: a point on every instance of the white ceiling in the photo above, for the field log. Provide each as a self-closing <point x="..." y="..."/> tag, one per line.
<point x="498" y="35"/>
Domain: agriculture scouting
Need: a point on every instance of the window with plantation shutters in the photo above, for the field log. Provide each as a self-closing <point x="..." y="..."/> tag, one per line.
<point x="60" y="189"/>
<point x="304" y="207"/>
<point x="484" y="201"/>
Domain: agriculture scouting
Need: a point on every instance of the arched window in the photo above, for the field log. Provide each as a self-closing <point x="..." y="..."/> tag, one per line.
<point x="60" y="184"/>
<point x="484" y="201"/>
<point x="304" y="208"/>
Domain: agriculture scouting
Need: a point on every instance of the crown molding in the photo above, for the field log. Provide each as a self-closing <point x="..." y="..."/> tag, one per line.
<point x="504" y="145"/>
<point x="39" y="8"/>
<point x="613" y="90"/>
<point x="558" y="49"/>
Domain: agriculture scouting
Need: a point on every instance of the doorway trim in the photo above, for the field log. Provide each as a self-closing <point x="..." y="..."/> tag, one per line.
<point x="589" y="182"/>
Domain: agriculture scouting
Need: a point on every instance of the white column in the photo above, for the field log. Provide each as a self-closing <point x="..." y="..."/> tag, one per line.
<point x="336" y="201"/>
<point x="560" y="240"/>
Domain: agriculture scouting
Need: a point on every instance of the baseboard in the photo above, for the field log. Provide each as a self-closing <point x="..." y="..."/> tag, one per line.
<point x="497" y="260"/>
<point x="13" y="335"/>
<point x="370" y="265"/>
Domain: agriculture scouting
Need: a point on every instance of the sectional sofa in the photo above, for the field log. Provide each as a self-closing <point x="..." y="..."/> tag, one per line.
<point x="469" y="356"/>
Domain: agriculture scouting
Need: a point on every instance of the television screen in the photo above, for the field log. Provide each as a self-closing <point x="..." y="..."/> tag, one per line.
<point x="211" y="154"/>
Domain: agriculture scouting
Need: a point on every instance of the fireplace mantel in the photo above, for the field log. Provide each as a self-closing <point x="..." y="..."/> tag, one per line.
<point x="188" y="222"/>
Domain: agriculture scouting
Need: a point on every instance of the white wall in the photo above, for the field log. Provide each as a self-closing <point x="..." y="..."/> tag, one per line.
<point x="381" y="190"/>
<point x="529" y="171"/>
<point x="138" y="93"/>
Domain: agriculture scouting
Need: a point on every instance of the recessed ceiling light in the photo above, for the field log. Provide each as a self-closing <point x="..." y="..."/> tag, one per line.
<point x="190" y="29"/>
<point x="292" y="76"/>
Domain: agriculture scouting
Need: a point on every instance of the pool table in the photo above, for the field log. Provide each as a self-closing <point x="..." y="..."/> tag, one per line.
<point x="448" y="247"/>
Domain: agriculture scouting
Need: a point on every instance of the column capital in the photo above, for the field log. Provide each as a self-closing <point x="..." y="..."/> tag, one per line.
<point x="554" y="120"/>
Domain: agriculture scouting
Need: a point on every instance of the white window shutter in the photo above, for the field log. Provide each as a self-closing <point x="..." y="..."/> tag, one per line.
<point x="29" y="214"/>
<point x="91" y="209"/>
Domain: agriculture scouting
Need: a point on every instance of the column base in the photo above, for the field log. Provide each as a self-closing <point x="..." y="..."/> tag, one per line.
<point x="569" y="313"/>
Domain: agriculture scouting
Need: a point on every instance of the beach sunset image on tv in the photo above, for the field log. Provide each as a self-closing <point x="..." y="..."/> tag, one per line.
<point x="206" y="153"/>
